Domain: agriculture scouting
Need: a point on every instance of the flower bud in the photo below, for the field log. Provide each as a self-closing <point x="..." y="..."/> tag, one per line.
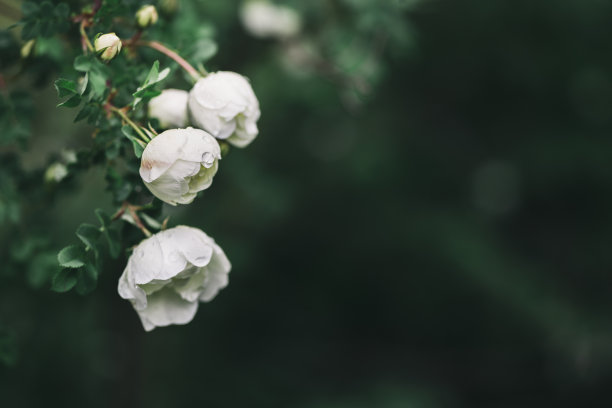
<point x="146" y="16"/>
<point x="170" y="273"/>
<point x="27" y="48"/>
<point x="178" y="163"/>
<point x="55" y="173"/>
<point x="169" y="6"/>
<point x="108" y="46"/>
<point x="170" y="108"/>
<point x="266" y="20"/>
<point x="224" y="104"/>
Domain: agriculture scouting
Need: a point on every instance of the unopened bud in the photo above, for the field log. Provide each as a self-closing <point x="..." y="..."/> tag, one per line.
<point x="169" y="6"/>
<point x="27" y="48"/>
<point x="146" y="16"/>
<point x="108" y="46"/>
<point x="55" y="173"/>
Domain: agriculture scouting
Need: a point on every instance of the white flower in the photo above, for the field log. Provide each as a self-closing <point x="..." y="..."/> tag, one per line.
<point x="170" y="108"/>
<point x="55" y="173"/>
<point x="169" y="273"/>
<point x="108" y="45"/>
<point x="224" y="104"/>
<point x="178" y="163"/>
<point x="146" y="16"/>
<point x="266" y="20"/>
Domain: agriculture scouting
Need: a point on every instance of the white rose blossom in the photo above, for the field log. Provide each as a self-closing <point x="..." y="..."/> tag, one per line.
<point x="224" y="104"/>
<point x="169" y="273"/>
<point x="178" y="163"/>
<point x="266" y="20"/>
<point x="170" y="108"/>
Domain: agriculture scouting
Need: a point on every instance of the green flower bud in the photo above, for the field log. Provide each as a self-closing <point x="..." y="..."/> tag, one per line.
<point x="146" y="16"/>
<point x="108" y="46"/>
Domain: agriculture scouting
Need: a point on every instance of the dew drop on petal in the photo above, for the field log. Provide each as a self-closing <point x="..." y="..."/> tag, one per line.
<point x="208" y="160"/>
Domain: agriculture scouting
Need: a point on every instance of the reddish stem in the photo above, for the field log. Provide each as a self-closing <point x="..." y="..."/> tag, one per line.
<point x="179" y="60"/>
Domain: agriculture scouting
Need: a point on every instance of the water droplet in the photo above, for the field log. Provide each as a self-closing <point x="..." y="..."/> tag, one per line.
<point x="208" y="159"/>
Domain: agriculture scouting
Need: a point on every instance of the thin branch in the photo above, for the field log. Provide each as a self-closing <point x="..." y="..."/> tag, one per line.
<point x="179" y="60"/>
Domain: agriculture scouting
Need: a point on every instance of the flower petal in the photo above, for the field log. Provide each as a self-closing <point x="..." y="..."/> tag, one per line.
<point x="166" y="307"/>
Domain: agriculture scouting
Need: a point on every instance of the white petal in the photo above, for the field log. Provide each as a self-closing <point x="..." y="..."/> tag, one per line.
<point x="172" y="158"/>
<point x="195" y="245"/>
<point x="191" y="289"/>
<point x="166" y="307"/>
<point x="217" y="101"/>
<point x="128" y="290"/>
<point x="216" y="275"/>
<point x="170" y="108"/>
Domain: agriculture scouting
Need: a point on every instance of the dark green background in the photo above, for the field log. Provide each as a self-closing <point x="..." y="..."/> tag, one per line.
<point x="446" y="244"/>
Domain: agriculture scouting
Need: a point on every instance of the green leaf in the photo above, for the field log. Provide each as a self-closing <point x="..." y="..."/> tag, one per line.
<point x="29" y="9"/>
<point x="151" y="222"/>
<point x="85" y="112"/>
<point x="144" y="91"/>
<point x="83" y="85"/>
<point x="65" y="87"/>
<point x="138" y="149"/>
<point x="64" y="280"/>
<point x="98" y="83"/>
<point x="72" y="256"/>
<point x="113" y="238"/>
<point x="83" y="63"/>
<point x="46" y="8"/>
<point x="71" y="102"/>
<point x="137" y="144"/>
<point x="30" y="30"/>
<point x="62" y="10"/>
<point x="104" y="219"/>
<point x="41" y="269"/>
<point x="89" y="234"/>
<point x="87" y="279"/>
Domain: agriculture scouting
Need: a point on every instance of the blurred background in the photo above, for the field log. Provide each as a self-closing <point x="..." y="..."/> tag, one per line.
<point x="424" y="221"/>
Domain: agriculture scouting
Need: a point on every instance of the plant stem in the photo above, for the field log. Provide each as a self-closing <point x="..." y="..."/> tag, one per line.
<point x="134" y="126"/>
<point x="84" y="36"/>
<point x="179" y="60"/>
<point x="138" y="222"/>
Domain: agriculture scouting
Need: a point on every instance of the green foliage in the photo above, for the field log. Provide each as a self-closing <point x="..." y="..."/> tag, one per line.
<point x="89" y="234"/>
<point x="145" y="91"/>
<point x="44" y="19"/>
<point x="15" y="113"/>
<point x="64" y="280"/>
<point x="8" y="347"/>
<point x="72" y="256"/>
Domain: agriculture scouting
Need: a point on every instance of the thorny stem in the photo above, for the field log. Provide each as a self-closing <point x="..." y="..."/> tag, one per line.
<point x="179" y="60"/>
<point x="134" y="126"/>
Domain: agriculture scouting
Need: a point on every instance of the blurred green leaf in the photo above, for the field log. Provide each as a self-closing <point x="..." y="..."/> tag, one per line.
<point x="65" y="87"/>
<point x="71" y="102"/>
<point x="87" y="279"/>
<point x="89" y="234"/>
<point x="72" y="256"/>
<point x="64" y="280"/>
